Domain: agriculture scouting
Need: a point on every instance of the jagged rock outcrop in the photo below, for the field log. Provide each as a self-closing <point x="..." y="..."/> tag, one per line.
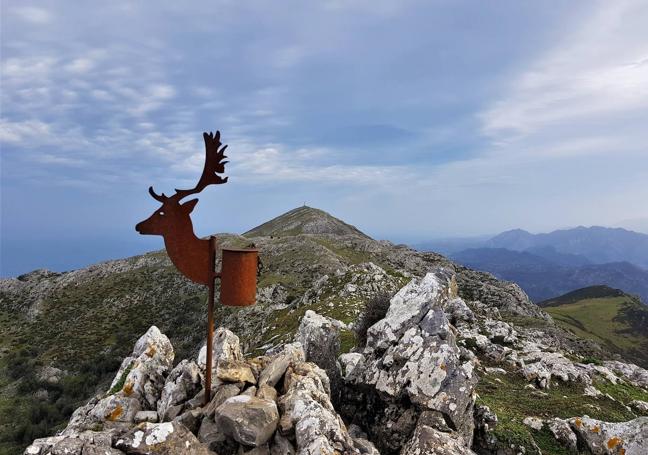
<point x="273" y="404"/>
<point x="410" y="367"/>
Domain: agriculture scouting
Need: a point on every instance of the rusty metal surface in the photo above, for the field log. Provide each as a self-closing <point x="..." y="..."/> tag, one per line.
<point x="172" y="220"/>
<point x="195" y="257"/>
<point x="238" y="277"/>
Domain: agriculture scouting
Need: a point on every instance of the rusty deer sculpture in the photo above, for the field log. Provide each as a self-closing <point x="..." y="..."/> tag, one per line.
<point x="195" y="257"/>
<point x="188" y="253"/>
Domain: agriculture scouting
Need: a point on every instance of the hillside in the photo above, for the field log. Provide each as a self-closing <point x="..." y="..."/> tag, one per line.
<point x="543" y="277"/>
<point x="67" y="333"/>
<point x="606" y="315"/>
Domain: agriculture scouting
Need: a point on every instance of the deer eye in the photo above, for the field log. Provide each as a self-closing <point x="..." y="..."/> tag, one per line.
<point x="161" y="213"/>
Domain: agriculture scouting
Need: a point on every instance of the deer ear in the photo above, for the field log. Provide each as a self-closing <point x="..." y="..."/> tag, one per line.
<point x="189" y="205"/>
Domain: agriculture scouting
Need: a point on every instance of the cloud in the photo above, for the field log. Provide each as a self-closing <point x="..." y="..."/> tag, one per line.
<point x="34" y="15"/>
<point x="596" y="76"/>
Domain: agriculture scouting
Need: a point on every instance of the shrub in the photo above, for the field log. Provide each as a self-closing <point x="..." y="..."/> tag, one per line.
<point x="375" y="309"/>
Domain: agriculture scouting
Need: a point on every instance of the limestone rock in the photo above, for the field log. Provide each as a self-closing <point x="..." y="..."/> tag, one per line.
<point x="222" y="394"/>
<point x="267" y="392"/>
<point x="412" y="356"/>
<point x="629" y="438"/>
<point x="320" y="338"/>
<point x="535" y="423"/>
<point x="143" y="372"/>
<point x="183" y="383"/>
<point x="275" y="369"/>
<point x="563" y="433"/>
<point x="249" y="420"/>
<point x="235" y="371"/>
<point x="74" y="443"/>
<point x="116" y="408"/>
<point x="225" y="346"/>
<point x="166" y="438"/>
<point x="630" y="372"/>
<point x="146" y="416"/>
<point x="348" y="362"/>
<point x="428" y="440"/>
<point x="308" y="415"/>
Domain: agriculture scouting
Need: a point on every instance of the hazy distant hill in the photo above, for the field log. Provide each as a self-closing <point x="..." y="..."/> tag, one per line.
<point x="605" y="315"/>
<point x="598" y="244"/>
<point x="543" y="278"/>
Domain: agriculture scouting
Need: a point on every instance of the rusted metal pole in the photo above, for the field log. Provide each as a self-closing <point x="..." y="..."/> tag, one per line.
<point x="210" y="317"/>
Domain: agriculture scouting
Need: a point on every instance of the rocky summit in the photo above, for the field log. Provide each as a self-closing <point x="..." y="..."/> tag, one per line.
<point x="355" y="346"/>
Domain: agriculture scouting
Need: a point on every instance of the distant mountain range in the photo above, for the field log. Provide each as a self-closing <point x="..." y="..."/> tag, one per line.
<point x="547" y="265"/>
<point x="599" y="245"/>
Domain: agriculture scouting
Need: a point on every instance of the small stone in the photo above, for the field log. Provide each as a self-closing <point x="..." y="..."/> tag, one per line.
<point x="533" y="422"/>
<point x="267" y="392"/>
<point x="235" y="371"/>
<point x="146" y="416"/>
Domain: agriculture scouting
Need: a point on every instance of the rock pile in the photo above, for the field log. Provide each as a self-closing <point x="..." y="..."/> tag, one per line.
<point x="273" y="404"/>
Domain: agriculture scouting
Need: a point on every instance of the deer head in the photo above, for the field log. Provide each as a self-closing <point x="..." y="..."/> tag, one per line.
<point x="172" y="215"/>
<point x="190" y="254"/>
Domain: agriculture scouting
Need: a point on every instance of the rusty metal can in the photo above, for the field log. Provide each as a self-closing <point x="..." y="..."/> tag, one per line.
<point x="239" y="276"/>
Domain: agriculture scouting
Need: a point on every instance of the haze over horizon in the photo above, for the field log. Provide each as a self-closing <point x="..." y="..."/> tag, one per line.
<point x="411" y="121"/>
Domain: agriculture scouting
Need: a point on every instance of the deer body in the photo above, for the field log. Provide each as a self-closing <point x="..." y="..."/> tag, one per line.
<point x="190" y="254"/>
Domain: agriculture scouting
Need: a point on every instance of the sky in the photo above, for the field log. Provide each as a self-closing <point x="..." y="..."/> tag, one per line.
<point x="411" y="120"/>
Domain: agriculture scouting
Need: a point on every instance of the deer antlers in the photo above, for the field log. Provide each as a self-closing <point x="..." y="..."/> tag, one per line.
<point x="214" y="165"/>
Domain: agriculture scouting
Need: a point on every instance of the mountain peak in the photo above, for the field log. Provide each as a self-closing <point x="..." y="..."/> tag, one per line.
<point x="304" y="220"/>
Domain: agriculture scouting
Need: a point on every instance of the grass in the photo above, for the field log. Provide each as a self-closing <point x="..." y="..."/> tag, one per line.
<point x="508" y="397"/>
<point x="603" y="321"/>
<point x="122" y="379"/>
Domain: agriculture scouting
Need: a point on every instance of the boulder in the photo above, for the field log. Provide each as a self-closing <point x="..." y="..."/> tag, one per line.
<point x="116" y="408"/>
<point x="276" y="367"/>
<point x="249" y="420"/>
<point x="628" y="438"/>
<point x="267" y="392"/>
<point x="222" y="394"/>
<point x="534" y="423"/>
<point x="320" y="338"/>
<point x="225" y="346"/>
<point x="348" y="362"/>
<point x="429" y="440"/>
<point x="234" y="371"/>
<point x="307" y="414"/>
<point x="182" y="384"/>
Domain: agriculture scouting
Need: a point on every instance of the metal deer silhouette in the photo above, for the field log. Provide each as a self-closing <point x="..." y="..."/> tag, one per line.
<point x="188" y="253"/>
<point x="195" y="257"/>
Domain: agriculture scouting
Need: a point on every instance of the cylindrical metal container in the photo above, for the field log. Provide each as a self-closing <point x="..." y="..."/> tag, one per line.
<point x="239" y="277"/>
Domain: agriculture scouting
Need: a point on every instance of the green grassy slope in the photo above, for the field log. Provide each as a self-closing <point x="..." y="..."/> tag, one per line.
<point x="620" y="323"/>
